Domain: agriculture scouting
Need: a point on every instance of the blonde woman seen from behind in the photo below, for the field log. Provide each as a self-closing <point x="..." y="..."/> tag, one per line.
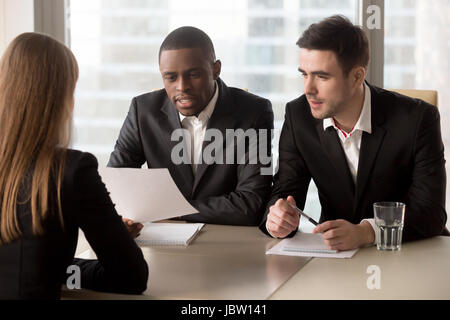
<point x="48" y="191"/>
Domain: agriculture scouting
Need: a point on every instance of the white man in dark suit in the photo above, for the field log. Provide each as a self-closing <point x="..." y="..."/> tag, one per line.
<point x="359" y="143"/>
<point x="197" y="103"/>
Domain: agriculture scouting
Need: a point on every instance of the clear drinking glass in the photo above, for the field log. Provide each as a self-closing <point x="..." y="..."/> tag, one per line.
<point x="389" y="217"/>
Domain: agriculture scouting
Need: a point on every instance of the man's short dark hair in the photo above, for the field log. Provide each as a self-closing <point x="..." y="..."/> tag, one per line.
<point x="189" y="37"/>
<point x="338" y="34"/>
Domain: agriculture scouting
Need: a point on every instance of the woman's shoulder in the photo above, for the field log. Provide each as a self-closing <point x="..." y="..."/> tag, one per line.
<point x="77" y="158"/>
<point x="79" y="165"/>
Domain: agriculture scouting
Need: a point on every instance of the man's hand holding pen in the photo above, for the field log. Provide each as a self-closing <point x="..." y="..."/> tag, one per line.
<point x="282" y="218"/>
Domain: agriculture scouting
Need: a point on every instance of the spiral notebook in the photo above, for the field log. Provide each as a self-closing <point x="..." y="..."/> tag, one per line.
<point x="308" y="245"/>
<point x="168" y="234"/>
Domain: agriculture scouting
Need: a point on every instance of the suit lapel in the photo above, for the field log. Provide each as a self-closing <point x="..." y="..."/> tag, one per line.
<point x="221" y="119"/>
<point x="370" y="145"/>
<point x="169" y="122"/>
<point x="333" y="149"/>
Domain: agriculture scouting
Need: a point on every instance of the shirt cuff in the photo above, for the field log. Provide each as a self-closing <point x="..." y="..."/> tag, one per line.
<point x="374" y="227"/>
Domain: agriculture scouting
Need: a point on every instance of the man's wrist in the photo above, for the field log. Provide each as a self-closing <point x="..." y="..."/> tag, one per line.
<point x="367" y="233"/>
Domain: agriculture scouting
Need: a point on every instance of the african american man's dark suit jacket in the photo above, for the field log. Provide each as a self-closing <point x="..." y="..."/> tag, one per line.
<point x="233" y="194"/>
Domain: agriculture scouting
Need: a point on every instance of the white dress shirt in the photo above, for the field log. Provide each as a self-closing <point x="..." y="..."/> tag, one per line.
<point x="351" y="141"/>
<point x="196" y="125"/>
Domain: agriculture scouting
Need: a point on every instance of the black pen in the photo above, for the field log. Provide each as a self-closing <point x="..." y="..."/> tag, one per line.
<point x="300" y="212"/>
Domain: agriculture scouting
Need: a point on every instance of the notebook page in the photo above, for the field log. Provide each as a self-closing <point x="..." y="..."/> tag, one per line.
<point x="307" y="245"/>
<point x="168" y="233"/>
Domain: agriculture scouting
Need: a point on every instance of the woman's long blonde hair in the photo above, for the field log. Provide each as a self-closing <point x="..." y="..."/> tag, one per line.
<point x="37" y="82"/>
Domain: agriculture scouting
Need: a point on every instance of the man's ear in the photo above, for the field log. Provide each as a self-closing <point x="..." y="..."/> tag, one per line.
<point x="358" y="75"/>
<point x="216" y="69"/>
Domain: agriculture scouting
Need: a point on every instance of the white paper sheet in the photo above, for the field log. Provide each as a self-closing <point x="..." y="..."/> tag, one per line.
<point x="145" y="195"/>
<point x="167" y="234"/>
<point x="307" y="245"/>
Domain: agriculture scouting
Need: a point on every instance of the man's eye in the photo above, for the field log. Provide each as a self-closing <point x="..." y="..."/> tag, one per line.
<point x="170" y="78"/>
<point x="304" y="75"/>
<point x="194" y="74"/>
<point x="323" y="77"/>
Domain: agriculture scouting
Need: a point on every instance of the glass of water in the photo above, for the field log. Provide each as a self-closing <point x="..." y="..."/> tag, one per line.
<point x="389" y="217"/>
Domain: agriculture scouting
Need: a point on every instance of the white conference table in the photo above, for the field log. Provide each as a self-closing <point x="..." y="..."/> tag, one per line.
<point x="229" y="263"/>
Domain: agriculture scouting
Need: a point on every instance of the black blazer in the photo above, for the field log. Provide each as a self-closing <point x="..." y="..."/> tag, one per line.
<point x="402" y="160"/>
<point x="233" y="194"/>
<point x="35" y="266"/>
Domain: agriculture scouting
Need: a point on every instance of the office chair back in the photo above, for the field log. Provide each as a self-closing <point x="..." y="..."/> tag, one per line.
<point x="430" y="96"/>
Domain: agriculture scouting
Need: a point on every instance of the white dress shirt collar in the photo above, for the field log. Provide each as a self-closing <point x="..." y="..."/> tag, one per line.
<point x="364" y="122"/>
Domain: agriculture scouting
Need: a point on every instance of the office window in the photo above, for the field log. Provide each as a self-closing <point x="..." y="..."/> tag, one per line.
<point x="116" y="44"/>
<point x="417" y="43"/>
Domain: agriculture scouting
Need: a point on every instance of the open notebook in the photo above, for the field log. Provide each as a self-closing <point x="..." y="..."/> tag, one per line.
<point x="308" y="245"/>
<point x="168" y="234"/>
